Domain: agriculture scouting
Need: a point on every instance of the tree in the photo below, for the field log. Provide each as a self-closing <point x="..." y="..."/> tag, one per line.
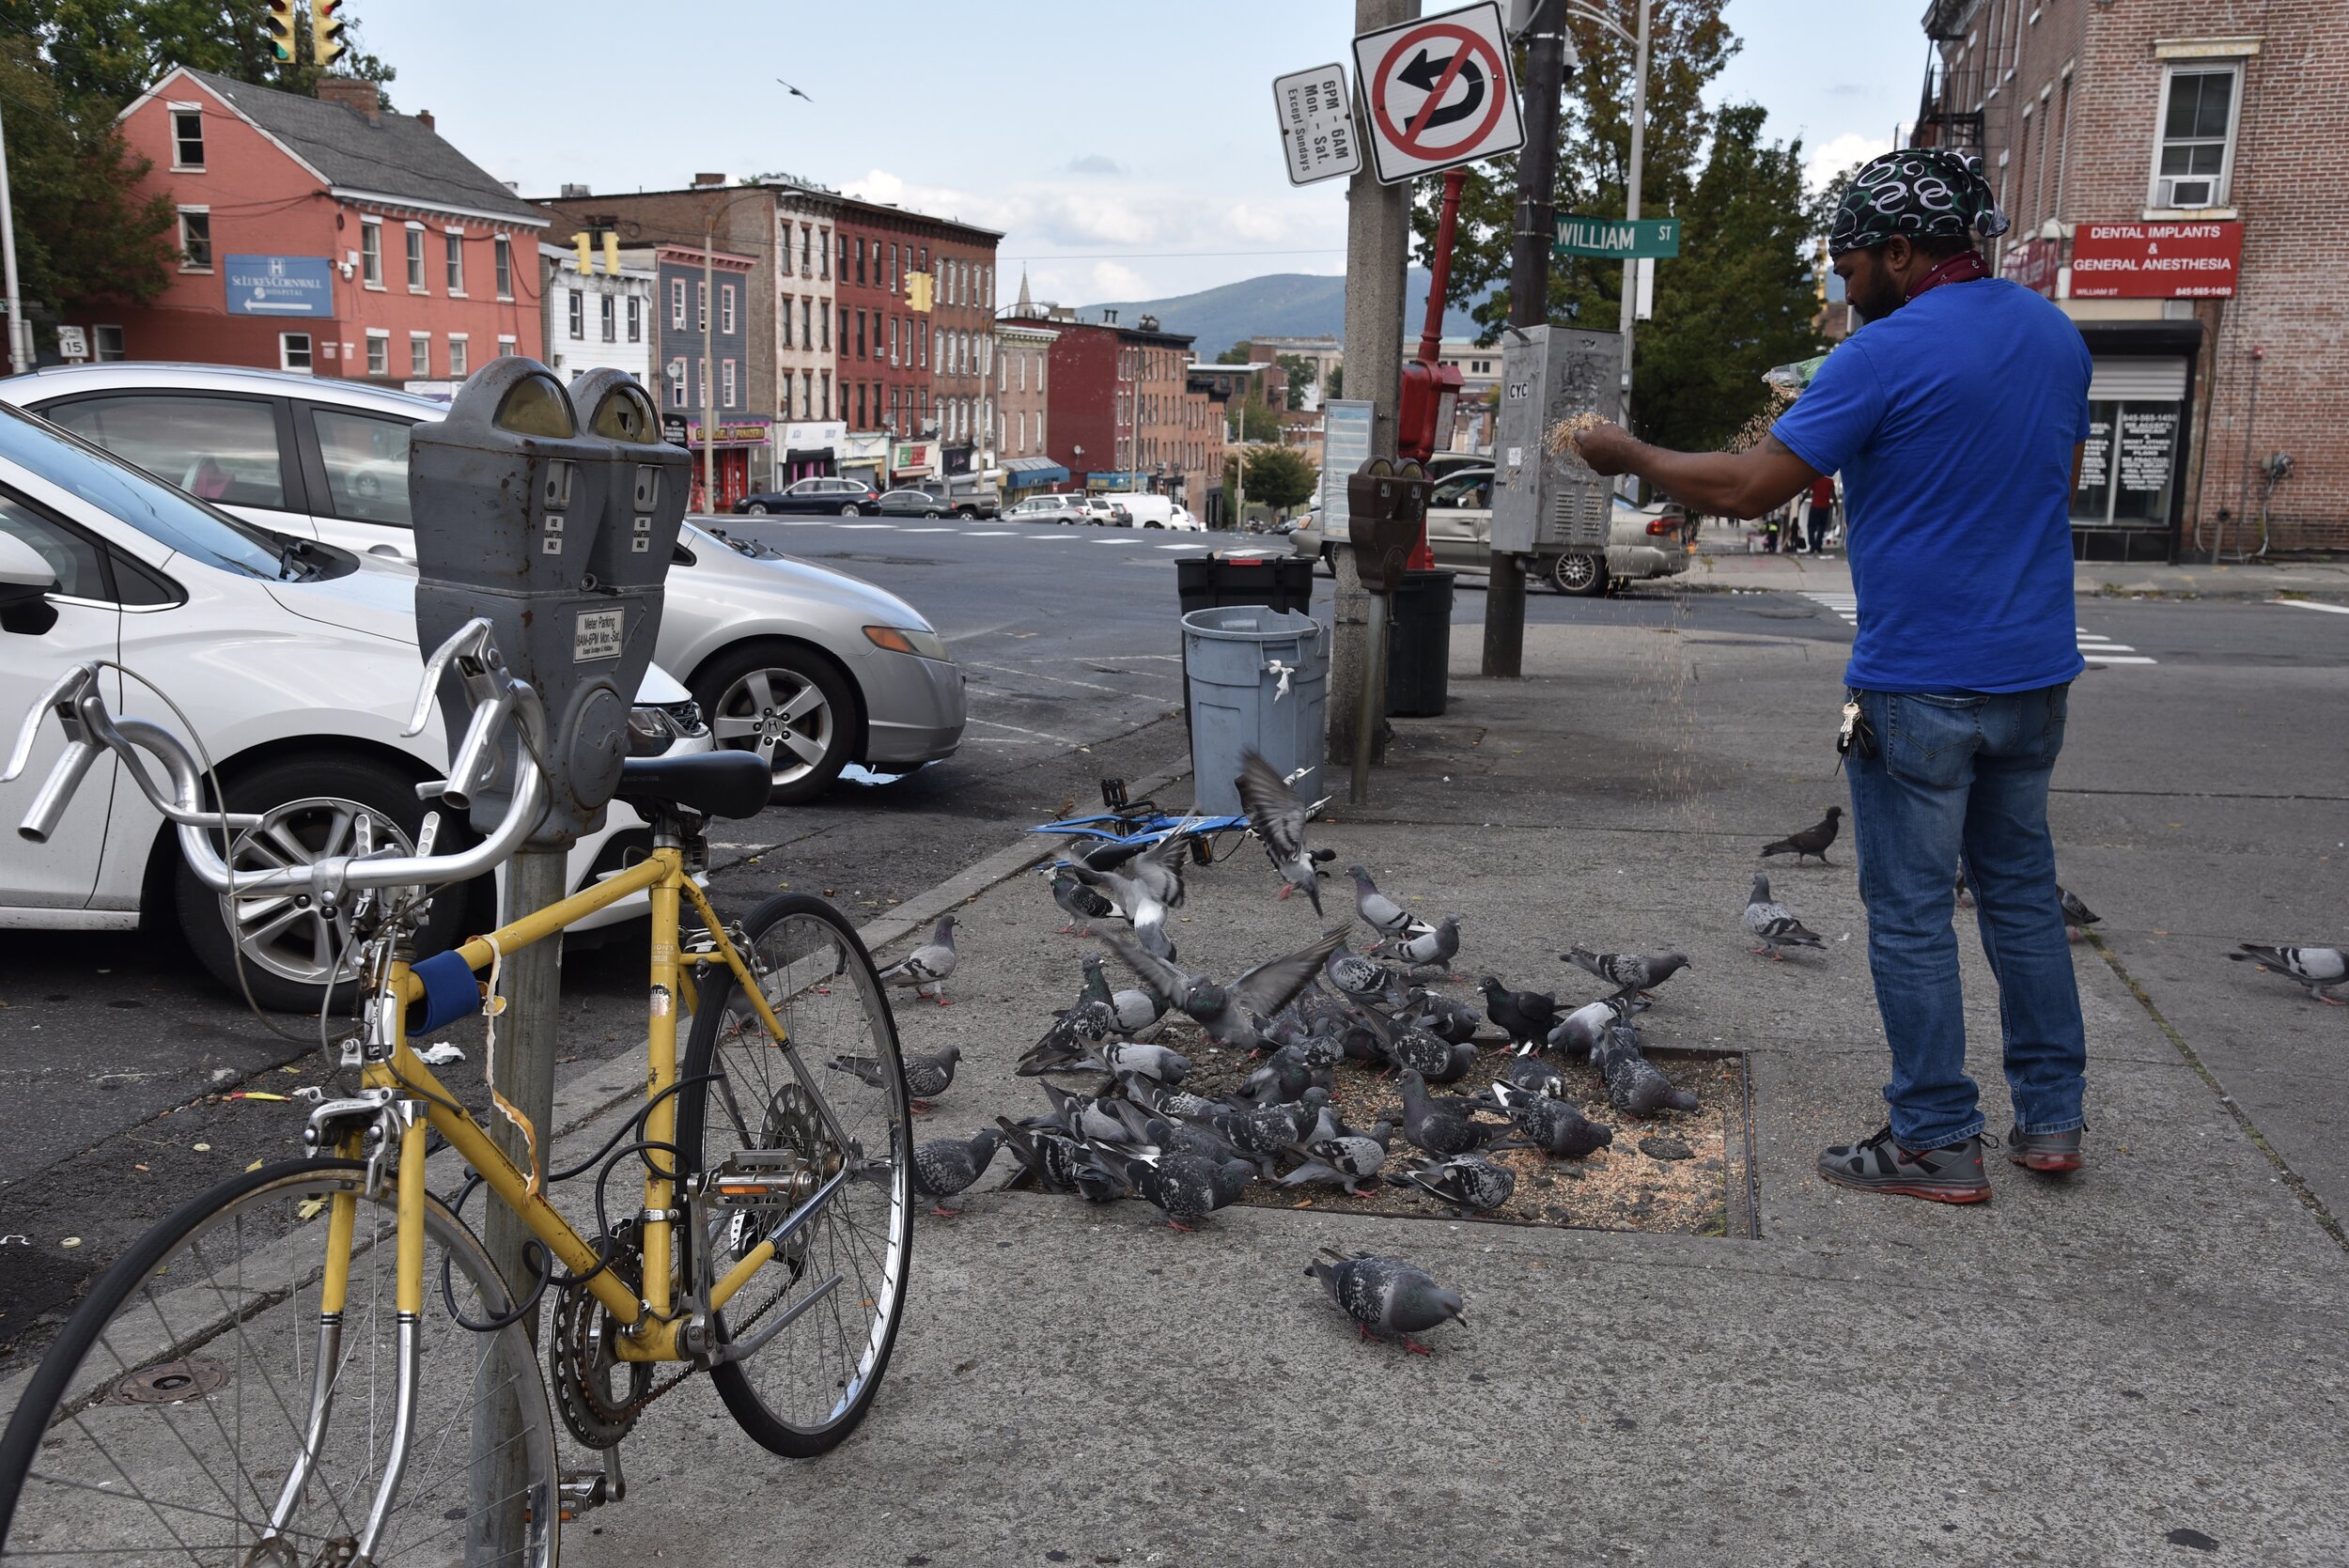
<point x="1256" y="422"/>
<point x="1236" y="354"/>
<point x="1280" y="476"/>
<point x="1337" y="381"/>
<point x="1301" y="375"/>
<point x="104" y="52"/>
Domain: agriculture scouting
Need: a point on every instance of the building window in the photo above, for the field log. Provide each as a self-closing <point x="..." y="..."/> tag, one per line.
<point x="860" y="334"/>
<point x="823" y="263"/>
<point x="293" y="351"/>
<point x="892" y="340"/>
<point x="608" y="316"/>
<point x="808" y="266"/>
<point x="725" y="307"/>
<point x="676" y="383"/>
<point x="419" y="354"/>
<point x="108" y="344"/>
<point x="826" y="320"/>
<point x="578" y="313"/>
<point x="459" y="357"/>
<point x="860" y="257"/>
<point x="415" y="258"/>
<point x="371" y="252"/>
<point x="195" y="239"/>
<point x="787" y="320"/>
<point x="187" y="139"/>
<point x="456" y="249"/>
<point x="807" y="393"/>
<point x="2198" y="120"/>
<point x="725" y="381"/>
<point x="859" y="405"/>
<point x="505" y="346"/>
<point x="701" y="307"/>
<point x="921" y="343"/>
<point x="378" y="353"/>
<point x="635" y="320"/>
<point x="1039" y="430"/>
<point x="824" y="379"/>
<point x="677" y="303"/>
<point x="501" y="250"/>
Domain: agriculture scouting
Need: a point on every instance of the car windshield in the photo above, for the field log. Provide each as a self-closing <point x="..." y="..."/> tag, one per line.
<point x="172" y="518"/>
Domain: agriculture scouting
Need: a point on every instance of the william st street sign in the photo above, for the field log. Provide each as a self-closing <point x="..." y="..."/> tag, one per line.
<point x="1619" y="238"/>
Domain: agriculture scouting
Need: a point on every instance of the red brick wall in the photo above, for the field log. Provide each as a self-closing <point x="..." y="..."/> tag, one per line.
<point x="1080" y="407"/>
<point x="876" y="291"/>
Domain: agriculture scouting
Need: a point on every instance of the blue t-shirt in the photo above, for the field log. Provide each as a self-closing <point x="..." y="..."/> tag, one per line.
<point x="1953" y="421"/>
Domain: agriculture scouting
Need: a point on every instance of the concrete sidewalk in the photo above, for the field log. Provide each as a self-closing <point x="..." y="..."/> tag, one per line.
<point x="2140" y="1364"/>
<point x="1719" y="568"/>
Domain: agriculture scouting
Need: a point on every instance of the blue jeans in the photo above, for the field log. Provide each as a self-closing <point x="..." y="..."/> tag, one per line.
<point x="1967" y="775"/>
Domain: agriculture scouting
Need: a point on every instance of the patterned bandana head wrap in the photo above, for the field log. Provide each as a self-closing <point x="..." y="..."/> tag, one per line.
<point x="1915" y="193"/>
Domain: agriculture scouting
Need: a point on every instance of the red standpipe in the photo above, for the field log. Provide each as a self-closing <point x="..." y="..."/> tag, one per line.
<point x="1424" y="381"/>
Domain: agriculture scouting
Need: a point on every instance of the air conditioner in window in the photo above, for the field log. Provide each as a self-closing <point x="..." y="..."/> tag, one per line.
<point x="2184" y="194"/>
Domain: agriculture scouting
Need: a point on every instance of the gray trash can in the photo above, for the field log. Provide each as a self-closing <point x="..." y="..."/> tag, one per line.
<point x="1259" y="681"/>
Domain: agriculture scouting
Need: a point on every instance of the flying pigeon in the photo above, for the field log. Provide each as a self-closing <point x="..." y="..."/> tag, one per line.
<point x="1386" y="1296"/>
<point x="1527" y="1016"/>
<point x="1233" y="1014"/>
<point x="927" y="966"/>
<point x="1553" y="1125"/>
<point x="1469" y="1183"/>
<point x="1382" y="914"/>
<point x="1630" y="971"/>
<point x="1437" y="945"/>
<point x="945" y="1167"/>
<point x="1350" y="1158"/>
<point x="1083" y="905"/>
<point x="1444" y="1125"/>
<point x="1277" y="817"/>
<point x="1157" y="867"/>
<point x="926" y="1077"/>
<point x="2078" y="917"/>
<point x="2319" y="969"/>
<point x="792" y="90"/>
<point x="1136" y="902"/>
<point x="1186" y="1188"/>
<point x="1812" y="840"/>
<point x="1769" y="923"/>
<point x="1634" y="1084"/>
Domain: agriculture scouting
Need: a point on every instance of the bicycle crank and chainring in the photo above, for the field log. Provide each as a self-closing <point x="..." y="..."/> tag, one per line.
<point x="598" y="1395"/>
<point x="792" y="1128"/>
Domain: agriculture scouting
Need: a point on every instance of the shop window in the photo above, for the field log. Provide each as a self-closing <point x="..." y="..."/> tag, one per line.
<point x="2198" y="121"/>
<point x="2128" y="464"/>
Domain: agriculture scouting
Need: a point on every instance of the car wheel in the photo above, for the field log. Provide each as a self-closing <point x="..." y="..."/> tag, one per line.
<point x="929" y="514"/>
<point x="290" y="948"/>
<point x="852" y="510"/>
<point x="787" y="704"/>
<point x="1583" y="576"/>
<point x="756" y="510"/>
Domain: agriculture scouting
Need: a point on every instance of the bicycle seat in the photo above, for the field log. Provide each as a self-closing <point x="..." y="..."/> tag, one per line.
<point x="710" y="783"/>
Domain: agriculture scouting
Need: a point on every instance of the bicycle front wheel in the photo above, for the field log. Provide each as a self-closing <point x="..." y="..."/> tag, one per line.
<point x="200" y="1407"/>
<point x="829" y="1098"/>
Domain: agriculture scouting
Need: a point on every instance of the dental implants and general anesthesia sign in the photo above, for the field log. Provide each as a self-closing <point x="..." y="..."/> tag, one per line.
<point x="1437" y="92"/>
<point x="2183" y="260"/>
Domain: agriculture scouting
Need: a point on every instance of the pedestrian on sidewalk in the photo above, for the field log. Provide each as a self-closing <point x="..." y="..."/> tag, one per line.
<point x="1955" y="416"/>
<point x="1822" y="511"/>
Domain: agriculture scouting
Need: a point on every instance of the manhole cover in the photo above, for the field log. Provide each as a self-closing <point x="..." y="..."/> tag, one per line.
<point x="170" y="1382"/>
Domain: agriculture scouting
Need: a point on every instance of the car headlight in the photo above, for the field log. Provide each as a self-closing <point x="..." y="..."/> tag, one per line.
<point x="900" y="638"/>
<point x="654" y="727"/>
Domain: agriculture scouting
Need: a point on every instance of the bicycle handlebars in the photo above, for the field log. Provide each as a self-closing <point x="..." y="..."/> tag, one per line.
<point x="499" y="700"/>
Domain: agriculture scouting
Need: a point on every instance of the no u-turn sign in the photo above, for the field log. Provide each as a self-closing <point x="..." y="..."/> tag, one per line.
<point x="1437" y="91"/>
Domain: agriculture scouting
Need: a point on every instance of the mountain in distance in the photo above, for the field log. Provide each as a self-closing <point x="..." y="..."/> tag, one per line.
<point x="1278" y="304"/>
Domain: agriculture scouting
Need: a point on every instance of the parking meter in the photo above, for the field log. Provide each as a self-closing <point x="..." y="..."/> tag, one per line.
<point x="645" y="495"/>
<point x="1388" y="508"/>
<point x="510" y="498"/>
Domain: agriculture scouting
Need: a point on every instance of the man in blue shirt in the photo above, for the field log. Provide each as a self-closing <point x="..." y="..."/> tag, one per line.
<point x="1955" y="416"/>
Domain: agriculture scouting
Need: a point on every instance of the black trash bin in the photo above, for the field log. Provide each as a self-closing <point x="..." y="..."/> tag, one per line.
<point x="1221" y="581"/>
<point x="1419" y="644"/>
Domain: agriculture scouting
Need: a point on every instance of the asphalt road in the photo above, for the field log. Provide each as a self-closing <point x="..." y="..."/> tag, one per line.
<point x="2203" y="798"/>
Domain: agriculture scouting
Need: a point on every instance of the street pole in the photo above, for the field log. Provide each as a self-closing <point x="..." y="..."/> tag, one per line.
<point x="709" y="374"/>
<point x="19" y="341"/>
<point x="1378" y="246"/>
<point x="1631" y="197"/>
<point x="1528" y="290"/>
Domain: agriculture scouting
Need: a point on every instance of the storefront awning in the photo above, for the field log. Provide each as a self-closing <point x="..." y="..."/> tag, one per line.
<point x="1022" y="473"/>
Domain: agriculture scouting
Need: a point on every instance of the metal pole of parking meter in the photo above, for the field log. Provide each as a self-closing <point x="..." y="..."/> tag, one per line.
<point x="1373" y="687"/>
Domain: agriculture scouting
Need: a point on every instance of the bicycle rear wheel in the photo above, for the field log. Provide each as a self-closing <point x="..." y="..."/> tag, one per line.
<point x="844" y="1270"/>
<point x="166" y="1422"/>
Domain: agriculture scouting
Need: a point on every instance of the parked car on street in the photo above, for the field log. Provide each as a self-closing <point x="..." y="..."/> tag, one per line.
<point x="1048" y="508"/>
<point x="909" y="503"/>
<point x="845" y="498"/>
<point x="295" y="663"/>
<point x="1157" y="511"/>
<point x="1107" y="513"/>
<point x="811" y="668"/>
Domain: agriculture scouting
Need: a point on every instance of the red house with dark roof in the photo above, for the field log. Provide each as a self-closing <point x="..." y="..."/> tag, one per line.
<point x="324" y="234"/>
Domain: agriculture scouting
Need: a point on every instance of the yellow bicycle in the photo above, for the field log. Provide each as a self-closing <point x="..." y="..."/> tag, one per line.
<point x="317" y="1362"/>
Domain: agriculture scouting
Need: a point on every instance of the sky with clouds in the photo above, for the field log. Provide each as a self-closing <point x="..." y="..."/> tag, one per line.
<point x="1128" y="150"/>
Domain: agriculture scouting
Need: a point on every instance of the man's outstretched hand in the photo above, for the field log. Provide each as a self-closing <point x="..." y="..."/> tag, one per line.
<point x="1607" y="448"/>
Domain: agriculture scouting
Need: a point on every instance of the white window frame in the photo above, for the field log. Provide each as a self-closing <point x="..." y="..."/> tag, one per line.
<point x="677" y="303"/>
<point x="286" y="353"/>
<point x="460" y="356"/>
<point x="379" y="351"/>
<point x="2222" y="183"/>
<point x="725" y="383"/>
<point x="502" y="258"/>
<point x="506" y="346"/>
<point x="417" y="340"/>
<point x="371" y="254"/>
<point x="701" y="307"/>
<point x="785" y="312"/>
<point x="416" y="274"/>
<point x="726" y="308"/>
<point x="205" y="214"/>
<point x="674" y="376"/>
<point x="180" y="165"/>
<point x="453" y="262"/>
<point x="607" y="317"/>
<point x="575" y="314"/>
<point x="636" y="317"/>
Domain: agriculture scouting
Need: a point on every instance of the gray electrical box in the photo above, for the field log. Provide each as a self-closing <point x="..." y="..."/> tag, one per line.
<point x="526" y="516"/>
<point x="1546" y="504"/>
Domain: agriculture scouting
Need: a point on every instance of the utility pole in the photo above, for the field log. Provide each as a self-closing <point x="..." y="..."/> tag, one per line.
<point x="1377" y="247"/>
<point x="1631" y="195"/>
<point x="19" y="341"/>
<point x="1529" y="288"/>
<point x="710" y="368"/>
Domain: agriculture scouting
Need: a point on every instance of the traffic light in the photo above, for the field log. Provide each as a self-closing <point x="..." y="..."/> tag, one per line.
<point x="918" y="291"/>
<point x="580" y="242"/>
<point x="611" y="252"/>
<point x="326" y="32"/>
<point x="281" y="31"/>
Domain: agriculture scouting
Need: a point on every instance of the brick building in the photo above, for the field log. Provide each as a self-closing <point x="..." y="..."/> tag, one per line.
<point x="2166" y="166"/>
<point x="323" y="235"/>
<point x="1023" y="363"/>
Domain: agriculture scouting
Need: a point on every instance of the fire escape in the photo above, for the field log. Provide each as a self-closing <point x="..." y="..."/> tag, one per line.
<point x="1950" y="110"/>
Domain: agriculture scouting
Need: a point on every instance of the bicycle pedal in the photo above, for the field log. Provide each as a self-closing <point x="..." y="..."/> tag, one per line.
<point x="582" y="1491"/>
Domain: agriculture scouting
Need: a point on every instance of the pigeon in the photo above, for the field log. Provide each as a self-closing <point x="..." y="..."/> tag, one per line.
<point x="2078" y="917"/>
<point x="1287" y="1074"/>
<point x="1083" y="905"/>
<point x="1136" y="1059"/>
<point x="1469" y="1183"/>
<point x="1444" y="1125"/>
<point x="1076" y="1029"/>
<point x="1186" y="1188"/>
<point x="1364" y="979"/>
<point x="1350" y="1158"/>
<point x="1175" y="1104"/>
<point x="1551" y="1124"/>
<point x="1158" y="867"/>
<point x="1403" y="1047"/>
<point x="927" y="966"/>
<point x="1386" y="1297"/>
<point x="2317" y="967"/>
<point x="1634" y="1084"/>
<point x="1439" y="1015"/>
<point x="792" y="90"/>
<point x="1965" y="894"/>
<point x="1770" y="924"/>
<point x="1381" y="913"/>
<point x="1258" y="1132"/>
<point x="946" y="1166"/>
<point x="1233" y="1014"/>
<point x="1434" y="947"/>
<point x="1087" y="1115"/>
<point x="1581" y="1032"/>
<point x="1136" y="903"/>
<point x="1532" y="1075"/>
<point x="1052" y="1159"/>
<point x="1812" y="840"/>
<point x="926" y="1077"/>
<point x="1527" y="1016"/>
<point x="1630" y="971"/>
<point x="1278" y="818"/>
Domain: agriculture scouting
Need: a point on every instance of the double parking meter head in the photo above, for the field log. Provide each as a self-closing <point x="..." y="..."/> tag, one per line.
<point x="528" y="514"/>
<point x="1386" y="517"/>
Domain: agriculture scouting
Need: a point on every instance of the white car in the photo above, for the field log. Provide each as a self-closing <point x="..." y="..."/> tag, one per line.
<point x="813" y="669"/>
<point x="295" y="668"/>
<point x="1156" y="511"/>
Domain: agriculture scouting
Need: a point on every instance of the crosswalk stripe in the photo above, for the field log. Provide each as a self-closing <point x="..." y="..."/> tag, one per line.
<point x="2096" y="656"/>
<point x="2092" y="645"/>
<point x="2311" y="604"/>
<point x="868" y="525"/>
<point x="991" y="534"/>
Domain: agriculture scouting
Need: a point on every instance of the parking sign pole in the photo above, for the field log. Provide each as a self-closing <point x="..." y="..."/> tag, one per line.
<point x="19" y="341"/>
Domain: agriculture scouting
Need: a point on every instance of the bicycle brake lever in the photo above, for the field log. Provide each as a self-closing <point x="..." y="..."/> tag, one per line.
<point x="477" y="647"/>
<point x="63" y="695"/>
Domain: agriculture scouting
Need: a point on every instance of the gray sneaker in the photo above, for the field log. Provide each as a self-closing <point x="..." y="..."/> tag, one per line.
<point x="2044" y="1151"/>
<point x="1951" y="1174"/>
